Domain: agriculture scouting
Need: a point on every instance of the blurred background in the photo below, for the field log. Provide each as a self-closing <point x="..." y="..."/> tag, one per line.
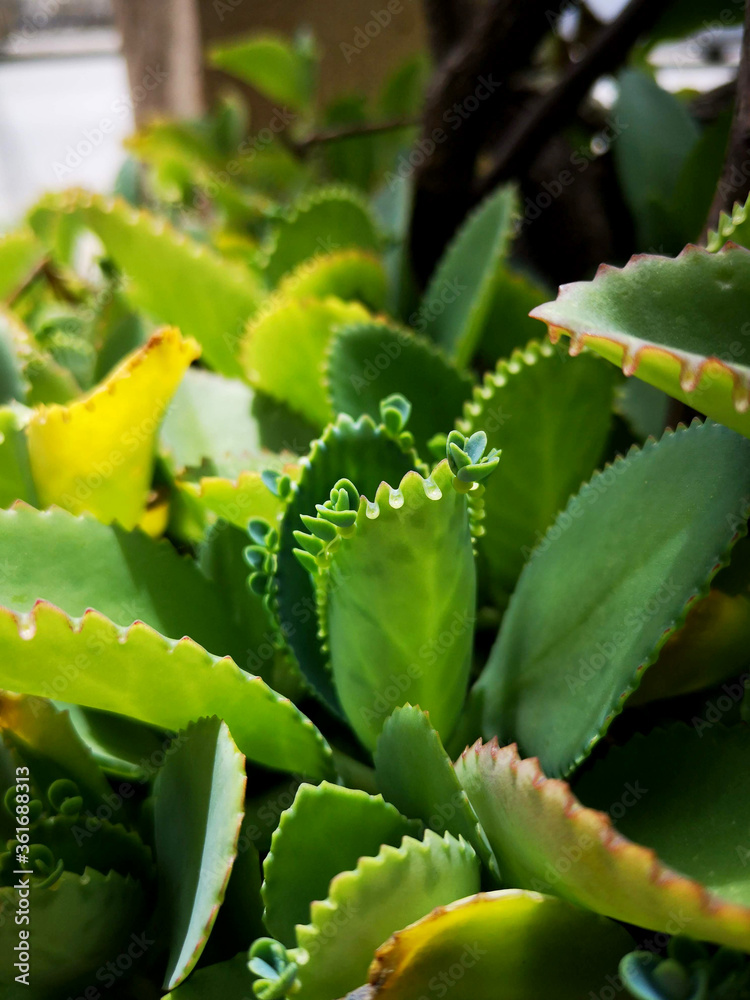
<point x="64" y="66"/>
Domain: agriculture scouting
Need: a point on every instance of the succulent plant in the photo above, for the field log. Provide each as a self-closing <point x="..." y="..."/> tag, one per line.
<point x="337" y="662"/>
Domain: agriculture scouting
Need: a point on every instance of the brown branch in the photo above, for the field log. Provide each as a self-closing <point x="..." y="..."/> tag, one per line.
<point x="469" y="94"/>
<point x="28" y="280"/>
<point x="446" y="20"/>
<point x="353" y="132"/>
<point x="531" y="130"/>
<point x="734" y="183"/>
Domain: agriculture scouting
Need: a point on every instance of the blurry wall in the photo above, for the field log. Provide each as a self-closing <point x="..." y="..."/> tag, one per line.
<point x="361" y="41"/>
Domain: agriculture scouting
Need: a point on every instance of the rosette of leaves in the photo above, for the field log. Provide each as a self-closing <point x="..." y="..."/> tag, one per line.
<point x="378" y="654"/>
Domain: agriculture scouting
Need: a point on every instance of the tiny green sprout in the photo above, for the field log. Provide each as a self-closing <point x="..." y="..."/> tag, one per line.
<point x="262" y="533"/>
<point x="256" y="556"/>
<point x="43" y="866"/>
<point x="321" y="529"/>
<point x="650" y="977"/>
<point x="395" y="411"/>
<point x="467" y="460"/>
<point x="64" y="797"/>
<point x="276" y="972"/>
<point x="277" y="482"/>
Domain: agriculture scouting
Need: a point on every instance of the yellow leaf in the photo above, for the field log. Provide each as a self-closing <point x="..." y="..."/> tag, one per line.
<point x="96" y="453"/>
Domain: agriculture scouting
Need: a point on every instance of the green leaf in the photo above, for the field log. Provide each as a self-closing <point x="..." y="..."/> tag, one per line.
<point x="364" y="453"/>
<point x="80" y="923"/>
<point x="136" y="672"/>
<point x="506" y="944"/>
<point x="543" y="460"/>
<point x="416" y="774"/>
<point x="400" y="596"/>
<point x="326" y="831"/>
<point x="78" y="563"/>
<point x="365" y="906"/>
<point x="172" y="277"/>
<point x="200" y="793"/>
<point x="225" y="979"/>
<point x="49" y="745"/>
<point x="276" y="69"/>
<point x="657" y="135"/>
<point x="612" y="579"/>
<point x="545" y="839"/>
<point x="210" y="425"/>
<point x="734" y="227"/>
<point x="679" y="324"/>
<point x="200" y="505"/>
<point x="368" y="362"/>
<point x="285" y="347"/>
<point x="460" y="292"/>
<point x="671" y="772"/>
<point x="97" y="453"/>
<point x="16" y="482"/>
<point x="319" y="222"/>
<point x="345" y="274"/>
<point x="20" y="253"/>
<point x="508" y="326"/>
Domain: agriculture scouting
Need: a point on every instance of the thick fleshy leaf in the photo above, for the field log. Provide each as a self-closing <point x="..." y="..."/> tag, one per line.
<point x="16" y="482"/>
<point x="33" y="376"/>
<point x="734" y="227"/>
<point x="225" y="979"/>
<point x="416" y="774"/>
<point x="508" y="326"/>
<point x="47" y="741"/>
<point x="96" y="453"/>
<point x="551" y="419"/>
<point x="345" y="274"/>
<point x="278" y="70"/>
<point x="368" y="362"/>
<point x="460" y="292"/>
<point x="80" y="923"/>
<point x="655" y="135"/>
<point x="365" y="906"/>
<point x="172" y="277"/>
<point x="508" y="945"/>
<point x="199" y="505"/>
<point x="198" y="810"/>
<point x="138" y="673"/>
<point x="679" y="324"/>
<point x="546" y="840"/>
<point x="400" y="604"/>
<point x="78" y="563"/>
<point x="326" y="831"/>
<point x="20" y="253"/>
<point x="285" y="348"/>
<point x="711" y="647"/>
<point x="210" y="425"/>
<point x="327" y="219"/>
<point x="611" y="581"/>
<point x="364" y="453"/>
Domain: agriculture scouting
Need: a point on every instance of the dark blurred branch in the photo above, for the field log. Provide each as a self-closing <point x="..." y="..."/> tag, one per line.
<point x="468" y="95"/>
<point x="353" y="132"/>
<point x="523" y="141"/>
<point x="734" y="183"/>
<point x="446" y="22"/>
